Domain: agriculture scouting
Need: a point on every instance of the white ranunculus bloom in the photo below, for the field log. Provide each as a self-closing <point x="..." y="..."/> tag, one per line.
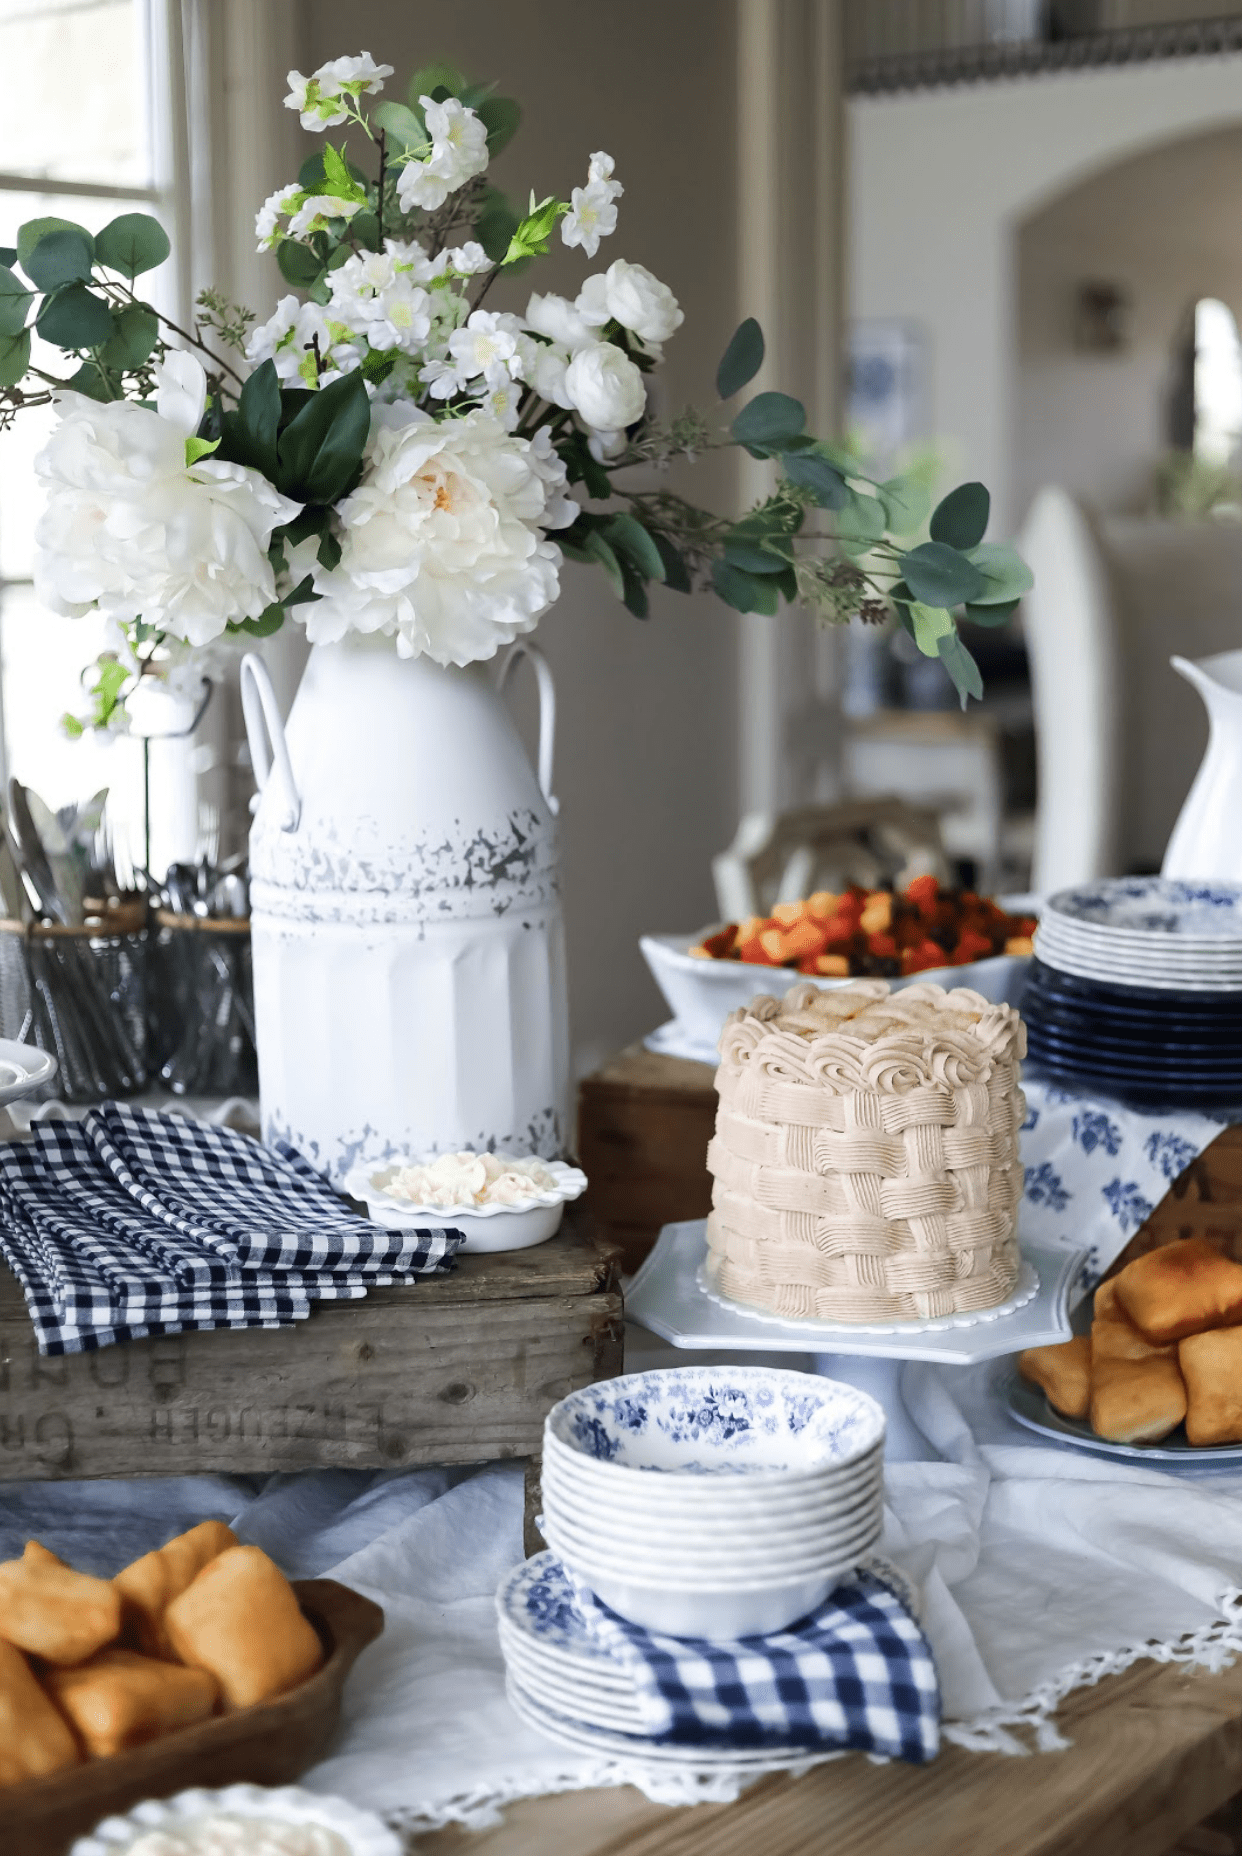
<point x="545" y="371"/>
<point x="442" y="543"/>
<point x="458" y="153"/>
<point x="630" y="295"/>
<point x="559" y="319"/>
<point x="605" y="387"/>
<point x="129" y="527"/>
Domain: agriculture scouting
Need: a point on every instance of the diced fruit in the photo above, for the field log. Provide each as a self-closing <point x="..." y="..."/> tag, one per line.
<point x="878" y="913"/>
<point x="832" y="966"/>
<point x="1020" y="944"/>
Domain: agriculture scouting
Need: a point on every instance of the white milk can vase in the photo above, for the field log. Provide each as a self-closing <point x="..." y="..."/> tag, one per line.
<point x="1207" y="839"/>
<point x="409" y="947"/>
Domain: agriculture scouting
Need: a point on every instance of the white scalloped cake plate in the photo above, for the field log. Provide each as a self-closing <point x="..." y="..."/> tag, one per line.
<point x="1025" y="1290"/>
<point x="1031" y="1409"/>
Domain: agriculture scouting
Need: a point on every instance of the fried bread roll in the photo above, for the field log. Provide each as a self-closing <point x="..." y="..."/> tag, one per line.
<point x="1115" y="1337"/>
<point x="149" y="1585"/>
<point x="1136" y="1401"/>
<point x="51" y="1611"/>
<point x="34" y="1736"/>
<point x="1181" y="1289"/>
<point x="1211" y="1365"/>
<point x="241" y="1620"/>
<point x="1062" y="1373"/>
<point x="119" y="1699"/>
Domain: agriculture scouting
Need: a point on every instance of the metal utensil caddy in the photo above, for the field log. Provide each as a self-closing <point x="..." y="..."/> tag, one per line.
<point x="202" y="1005"/>
<point x="80" y="993"/>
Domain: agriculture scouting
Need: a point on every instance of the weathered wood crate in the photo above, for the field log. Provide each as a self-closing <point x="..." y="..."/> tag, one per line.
<point x="462" y="1369"/>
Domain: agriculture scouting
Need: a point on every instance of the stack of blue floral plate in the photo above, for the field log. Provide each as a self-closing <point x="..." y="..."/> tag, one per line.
<point x="1136" y="991"/>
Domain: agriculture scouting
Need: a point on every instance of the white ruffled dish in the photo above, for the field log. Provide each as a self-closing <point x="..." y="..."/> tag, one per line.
<point x="486" y="1227"/>
<point x="359" y="1833"/>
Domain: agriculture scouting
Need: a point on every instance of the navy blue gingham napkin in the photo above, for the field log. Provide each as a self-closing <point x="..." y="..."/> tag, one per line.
<point x="857" y="1675"/>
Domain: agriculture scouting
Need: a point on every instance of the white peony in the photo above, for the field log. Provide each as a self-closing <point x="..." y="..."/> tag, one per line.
<point x="606" y="387"/>
<point x="458" y="153"/>
<point x="442" y="542"/>
<point x="134" y="530"/>
<point x="630" y="295"/>
<point x="318" y="97"/>
<point x="559" y="319"/>
<point x="593" y="208"/>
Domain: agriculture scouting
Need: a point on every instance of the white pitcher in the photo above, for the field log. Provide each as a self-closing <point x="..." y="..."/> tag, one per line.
<point x="409" y="949"/>
<point x="1207" y="839"/>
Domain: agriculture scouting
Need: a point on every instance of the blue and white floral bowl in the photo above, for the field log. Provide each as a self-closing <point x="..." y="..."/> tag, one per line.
<point x="713" y="1501"/>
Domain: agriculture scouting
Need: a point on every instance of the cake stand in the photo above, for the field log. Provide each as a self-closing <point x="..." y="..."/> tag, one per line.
<point x="670" y="1296"/>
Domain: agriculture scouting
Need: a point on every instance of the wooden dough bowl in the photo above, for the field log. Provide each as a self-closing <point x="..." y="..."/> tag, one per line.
<point x="269" y="1745"/>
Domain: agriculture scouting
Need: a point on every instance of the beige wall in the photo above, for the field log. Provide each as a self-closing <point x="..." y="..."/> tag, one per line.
<point x="646" y="765"/>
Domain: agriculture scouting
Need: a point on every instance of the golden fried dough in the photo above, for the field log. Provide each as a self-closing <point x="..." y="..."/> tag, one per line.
<point x="1181" y="1289"/>
<point x="1211" y="1365"/>
<point x="34" y="1736"/>
<point x="1136" y="1401"/>
<point x="51" y="1611"/>
<point x="119" y="1699"/>
<point x="148" y="1585"/>
<point x="1115" y="1337"/>
<point x="1062" y="1373"/>
<point x="240" y="1619"/>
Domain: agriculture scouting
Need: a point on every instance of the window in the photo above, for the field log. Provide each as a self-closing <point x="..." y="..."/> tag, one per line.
<point x="1218" y="383"/>
<point x="76" y="140"/>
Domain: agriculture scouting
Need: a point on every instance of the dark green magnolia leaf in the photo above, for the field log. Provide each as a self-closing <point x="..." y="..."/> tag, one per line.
<point x="29" y="235"/>
<point x="752" y="558"/>
<point x="59" y="257"/>
<point x="630" y="539"/>
<point x="321" y="449"/>
<point x="741" y="360"/>
<point x="250" y="433"/>
<point x="961" y="666"/>
<point x="97" y="383"/>
<point x="432" y="77"/>
<point x="961" y="519"/>
<point x="860" y="519"/>
<point x="495" y="228"/>
<point x="135" y="331"/>
<point x="938" y="575"/>
<point x="999" y="614"/>
<point x="676" y="574"/>
<point x="1006" y="574"/>
<point x="767" y="421"/>
<point x="597" y="549"/>
<point x="745" y="592"/>
<point x="501" y="117"/>
<point x="299" y="264"/>
<point x="817" y="475"/>
<point x="74" y="318"/>
<point x="406" y="132"/>
<point x="581" y="467"/>
<point x="14" y="357"/>
<point x="131" y="244"/>
<point x="15" y="301"/>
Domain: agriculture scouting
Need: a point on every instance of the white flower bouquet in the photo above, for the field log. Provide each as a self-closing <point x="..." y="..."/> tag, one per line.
<point x="385" y="454"/>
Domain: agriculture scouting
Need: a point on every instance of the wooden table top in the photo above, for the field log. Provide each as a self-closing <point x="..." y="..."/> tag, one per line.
<point x="1154" y="1752"/>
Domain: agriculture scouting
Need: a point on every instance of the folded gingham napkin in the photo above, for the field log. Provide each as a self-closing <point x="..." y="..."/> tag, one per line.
<point x="235" y="1237"/>
<point x="857" y="1675"/>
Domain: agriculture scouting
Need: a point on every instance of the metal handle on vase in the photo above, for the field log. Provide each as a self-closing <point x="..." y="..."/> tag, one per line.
<point x="547" y="711"/>
<point x="264" y="724"/>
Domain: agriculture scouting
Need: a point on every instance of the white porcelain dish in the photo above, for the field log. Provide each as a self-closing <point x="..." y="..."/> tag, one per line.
<point x="762" y="1424"/>
<point x="788" y="1521"/>
<point x="708" y="1497"/>
<point x="23" y="1069"/>
<point x="718" y="1614"/>
<point x="660" y="1564"/>
<point x="701" y="993"/>
<point x="360" y="1832"/>
<point x="486" y="1227"/>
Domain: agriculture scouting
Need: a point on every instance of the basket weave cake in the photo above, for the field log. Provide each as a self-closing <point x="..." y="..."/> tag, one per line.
<point x="865" y="1158"/>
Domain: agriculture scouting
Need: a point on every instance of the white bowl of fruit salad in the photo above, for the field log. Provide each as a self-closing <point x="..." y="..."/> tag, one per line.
<point x="242" y="1820"/>
<point x="498" y="1201"/>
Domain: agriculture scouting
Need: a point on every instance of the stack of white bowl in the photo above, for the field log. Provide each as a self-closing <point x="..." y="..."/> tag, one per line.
<point x="714" y="1502"/>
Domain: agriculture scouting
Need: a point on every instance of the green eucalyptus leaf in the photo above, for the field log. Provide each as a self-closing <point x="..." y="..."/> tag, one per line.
<point x="817" y="475"/>
<point x="299" y="264"/>
<point x="364" y="227"/>
<point x="741" y="360"/>
<point x="34" y="230"/>
<point x="8" y="255"/>
<point x="906" y="501"/>
<point x="743" y="591"/>
<point x="432" y="77"/>
<point x="961" y="666"/>
<point x="321" y="448"/>
<point x="96" y="382"/>
<point x="787" y="581"/>
<point x="406" y="132"/>
<point x="501" y="117"/>
<point x="676" y="574"/>
<point x="15" y="301"/>
<point x="132" y="244"/>
<point x="14" y="357"/>
<point x="930" y="624"/>
<point x="767" y="421"/>
<point x="939" y="576"/>
<point x="597" y="549"/>
<point x="135" y="331"/>
<point x="994" y="616"/>
<point x="752" y="558"/>
<point x="860" y="519"/>
<point x="631" y="539"/>
<point x="1005" y="573"/>
<point x="59" y="257"/>
<point x="74" y="317"/>
<point x="962" y="518"/>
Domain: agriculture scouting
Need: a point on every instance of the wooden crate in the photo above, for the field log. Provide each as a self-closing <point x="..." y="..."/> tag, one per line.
<point x="462" y="1369"/>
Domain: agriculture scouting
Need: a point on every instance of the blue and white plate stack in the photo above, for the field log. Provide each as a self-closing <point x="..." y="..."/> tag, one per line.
<point x="1135" y="991"/>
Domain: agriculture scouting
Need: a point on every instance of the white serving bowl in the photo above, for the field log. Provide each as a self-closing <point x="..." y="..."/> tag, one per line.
<point x="701" y="993"/>
<point x="719" y="1545"/>
<point x="485" y="1227"/>
<point x="717" y="1613"/>
<point x="362" y="1833"/>
<point x="589" y="1509"/>
<point x="704" y="1498"/>
<point x="584" y="1552"/>
<point x="757" y="1427"/>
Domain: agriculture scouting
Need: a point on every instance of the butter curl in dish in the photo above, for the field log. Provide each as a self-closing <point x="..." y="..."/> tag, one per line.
<point x="498" y="1201"/>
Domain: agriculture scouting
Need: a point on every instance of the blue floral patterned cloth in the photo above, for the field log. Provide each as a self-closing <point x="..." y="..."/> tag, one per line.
<point x="1095" y="1170"/>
